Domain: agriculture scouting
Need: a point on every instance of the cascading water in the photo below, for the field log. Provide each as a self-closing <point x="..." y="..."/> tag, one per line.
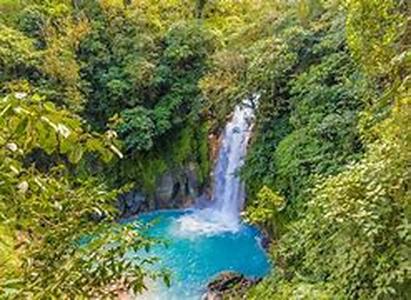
<point x="228" y="191"/>
<point x="204" y="242"/>
<point x="228" y="197"/>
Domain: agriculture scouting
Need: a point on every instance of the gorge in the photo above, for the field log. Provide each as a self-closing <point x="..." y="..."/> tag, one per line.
<point x="211" y="238"/>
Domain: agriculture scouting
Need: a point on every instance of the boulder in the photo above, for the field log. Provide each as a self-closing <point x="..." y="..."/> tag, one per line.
<point x="225" y="281"/>
<point x="228" y="284"/>
<point x="212" y="296"/>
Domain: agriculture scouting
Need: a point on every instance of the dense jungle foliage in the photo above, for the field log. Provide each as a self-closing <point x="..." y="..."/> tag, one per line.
<point x="100" y="96"/>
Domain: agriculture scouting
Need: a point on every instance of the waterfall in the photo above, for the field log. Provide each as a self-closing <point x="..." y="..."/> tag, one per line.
<point x="223" y="212"/>
<point x="209" y="239"/>
<point x="228" y="194"/>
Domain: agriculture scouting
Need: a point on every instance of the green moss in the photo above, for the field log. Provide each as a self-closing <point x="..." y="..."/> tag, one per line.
<point x="150" y="171"/>
<point x="187" y="146"/>
<point x="203" y="157"/>
<point x="192" y="147"/>
<point x="183" y="149"/>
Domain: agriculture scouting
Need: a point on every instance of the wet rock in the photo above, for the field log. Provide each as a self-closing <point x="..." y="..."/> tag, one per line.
<point x="212" y="296"/>
<point x="165" y="188"/>
<point x="131" y="203"/>
<point x="228" y="284"/>
<point x="177" y="188"/>
<point x="266" y="241"/>
<point x="225" y="281"/>
<point x="214" y="141"/>
<point x="192" y="186"/>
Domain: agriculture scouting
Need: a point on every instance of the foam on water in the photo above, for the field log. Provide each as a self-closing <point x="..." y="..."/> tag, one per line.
<point x="204" y="222"/>
<point x="194" y="259"/>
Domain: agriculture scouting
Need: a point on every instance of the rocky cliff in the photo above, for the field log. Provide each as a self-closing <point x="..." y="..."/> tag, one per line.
<point x="177" y="188"/>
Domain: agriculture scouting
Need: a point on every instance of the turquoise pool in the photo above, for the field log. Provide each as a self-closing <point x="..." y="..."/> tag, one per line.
<point x="195" y="256"/>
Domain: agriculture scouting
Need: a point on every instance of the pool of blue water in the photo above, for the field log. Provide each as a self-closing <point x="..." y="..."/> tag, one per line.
<point x="194" y="259"/>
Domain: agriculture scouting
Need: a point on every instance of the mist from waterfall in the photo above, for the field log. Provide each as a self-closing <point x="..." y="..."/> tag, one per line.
<point x="223" y="212"/>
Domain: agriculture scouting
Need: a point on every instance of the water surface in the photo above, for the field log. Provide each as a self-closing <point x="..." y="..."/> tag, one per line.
<point x="196" y="257"/>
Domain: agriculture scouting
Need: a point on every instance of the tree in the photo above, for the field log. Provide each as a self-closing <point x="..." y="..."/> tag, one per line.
<point x="350" y="237"/>
<point x="60" y="226"/>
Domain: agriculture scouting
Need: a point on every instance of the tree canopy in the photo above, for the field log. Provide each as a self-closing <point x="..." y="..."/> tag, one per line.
<point x="100" y="96"/>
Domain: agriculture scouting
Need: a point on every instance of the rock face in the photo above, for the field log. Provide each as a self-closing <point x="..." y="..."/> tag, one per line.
<point x="176" y="188"/>
<point x="228" y="284"/>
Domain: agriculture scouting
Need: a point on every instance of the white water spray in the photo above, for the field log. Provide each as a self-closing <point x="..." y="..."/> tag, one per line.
<point x="228" y="191"/>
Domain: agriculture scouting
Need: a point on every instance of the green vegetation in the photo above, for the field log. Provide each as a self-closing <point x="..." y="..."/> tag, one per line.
<point x="333" y="139"/>
<point x="96" y="96"/>
<point x="46" y="209"/>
